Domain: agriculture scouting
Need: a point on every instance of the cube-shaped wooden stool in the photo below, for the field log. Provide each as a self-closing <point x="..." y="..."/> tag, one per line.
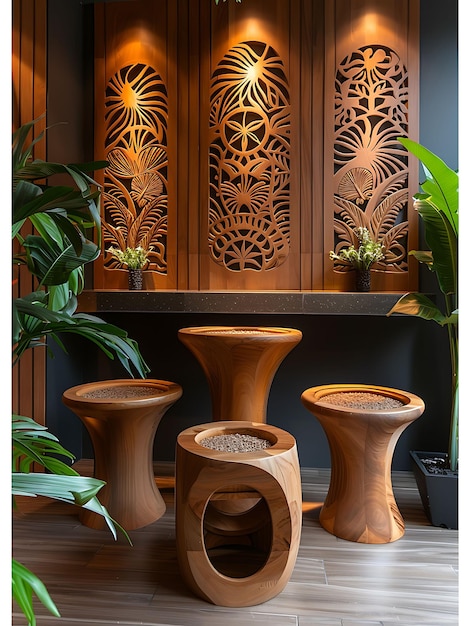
<point x="238" y="513"/>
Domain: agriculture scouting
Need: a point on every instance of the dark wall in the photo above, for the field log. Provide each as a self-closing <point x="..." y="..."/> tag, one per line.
<point x="69" y="81"/>
<point x="401" y="352"/>
<point x="439" y="79"/>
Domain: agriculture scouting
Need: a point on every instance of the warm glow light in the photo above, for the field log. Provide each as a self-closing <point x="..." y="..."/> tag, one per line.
<point x="251" y="72"/>
<point x="370" y="23"/>
<point x="311" y="506"/>
<point x="252" y="29"/>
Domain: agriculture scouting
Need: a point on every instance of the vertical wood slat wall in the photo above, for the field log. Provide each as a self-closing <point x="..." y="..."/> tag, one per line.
<point x="29" y="62"/>
<point x="186" y="41"/>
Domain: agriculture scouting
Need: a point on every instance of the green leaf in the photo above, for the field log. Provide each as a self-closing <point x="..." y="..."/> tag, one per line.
<point x="443" y="243"/>
<point x="60" y="227"/>
<point x="24" y="584"/>
<point x="438" y="208"/>
<point x="72" y="488"/>
<point x="441" y="184"/>
<point x="20" y="154"/>
<point x="53" y="264"/>
<point x="423" y="256"/>
<point x="50" y="199"/>
<point x="112" y="340"/>
<point x="452" y="319"/>
<point x="36" y="444"/>
<point x="59" y="296"/>
<point x="418" y="305"/>
<point x="33" y="443"/>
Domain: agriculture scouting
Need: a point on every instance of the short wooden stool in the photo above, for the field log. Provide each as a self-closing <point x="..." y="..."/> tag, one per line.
<point x="238" y="514"/>
<point x="239" y="363"/>
<point x="360" y="504"/>
<point x="122" y="417"/>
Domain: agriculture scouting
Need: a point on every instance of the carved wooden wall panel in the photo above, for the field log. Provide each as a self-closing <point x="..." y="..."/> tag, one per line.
<point x="132" y="124"/>
<point x="372" y="82"/>
<point x="249" y="160"/>
<point x="250" y="213"/>
<point x="248" y="140"/>
<point x="135" y="193"/>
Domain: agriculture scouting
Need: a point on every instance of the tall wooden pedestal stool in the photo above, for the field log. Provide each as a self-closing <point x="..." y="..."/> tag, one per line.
<point x="239" y="363"/>
<point x="122" y="417"/>
<point x="362" y="424"/>
<point x="238" y="513"/>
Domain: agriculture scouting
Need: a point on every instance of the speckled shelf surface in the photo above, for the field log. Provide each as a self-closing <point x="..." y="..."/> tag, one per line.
<point x="295" y="302"/>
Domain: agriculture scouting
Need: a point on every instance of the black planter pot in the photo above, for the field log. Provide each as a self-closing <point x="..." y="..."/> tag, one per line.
<point x="135" y="279"/>
<point x="363" y="280"/>
<point x="438" y="492"/>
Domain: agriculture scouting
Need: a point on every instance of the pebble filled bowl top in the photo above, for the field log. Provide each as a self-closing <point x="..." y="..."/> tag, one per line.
<point x="235" y="442"/>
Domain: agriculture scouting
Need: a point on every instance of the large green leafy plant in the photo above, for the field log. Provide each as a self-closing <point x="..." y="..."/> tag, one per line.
<point x="437" y="206"/>
<point x="55" y="255"/>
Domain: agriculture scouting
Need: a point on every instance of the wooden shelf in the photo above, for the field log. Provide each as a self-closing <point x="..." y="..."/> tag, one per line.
<point x="263" y="302"/>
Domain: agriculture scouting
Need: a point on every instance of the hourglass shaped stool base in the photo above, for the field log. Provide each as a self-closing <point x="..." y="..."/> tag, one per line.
<point x="121" y="417"/>
<point x="239" y="363"/>
<point x="360" y="504"/>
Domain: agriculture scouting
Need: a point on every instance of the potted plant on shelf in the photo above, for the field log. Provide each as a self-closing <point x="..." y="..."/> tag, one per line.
<point x="135" y="259"/>
<point x="437" y="472"/>
<point x="59" y="217"/>
<point x="361" y="258"/>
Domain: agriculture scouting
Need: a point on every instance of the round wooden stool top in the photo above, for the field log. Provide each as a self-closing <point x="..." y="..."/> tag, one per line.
<point x="120" y="394"/>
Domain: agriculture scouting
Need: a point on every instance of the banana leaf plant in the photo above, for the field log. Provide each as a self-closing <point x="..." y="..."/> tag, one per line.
<point x="55" y="255"/>
<point x="437" y="206"/>
<point x="59" y="218"/>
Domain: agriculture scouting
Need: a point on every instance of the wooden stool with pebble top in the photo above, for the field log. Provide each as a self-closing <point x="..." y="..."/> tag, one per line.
<point x="362" y="424"/>
<point x="122" y="417"/>
<point x="239" y="363"/>
<point x="238" y="510"/>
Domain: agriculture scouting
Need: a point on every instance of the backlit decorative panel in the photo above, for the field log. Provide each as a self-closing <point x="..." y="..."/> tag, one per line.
<point x="370" y="166"/>
<point x="249" y="160"/>
<point x="135" y="198"/>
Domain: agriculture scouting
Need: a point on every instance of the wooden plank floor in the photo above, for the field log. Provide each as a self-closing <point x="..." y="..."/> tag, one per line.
<point x="97" y="581"/>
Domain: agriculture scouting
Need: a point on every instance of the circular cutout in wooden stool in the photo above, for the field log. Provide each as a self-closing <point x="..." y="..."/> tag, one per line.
<point x="238" y="514"/>
<point x="121" y="417"/>
<point x="362" y="424"/>
<point x="239" y="363"/>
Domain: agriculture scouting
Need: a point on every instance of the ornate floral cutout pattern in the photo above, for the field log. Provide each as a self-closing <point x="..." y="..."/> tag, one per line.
<point x="370" y="166"/>
<point x="249" y="160"/>
<point x="135" y="194"/>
